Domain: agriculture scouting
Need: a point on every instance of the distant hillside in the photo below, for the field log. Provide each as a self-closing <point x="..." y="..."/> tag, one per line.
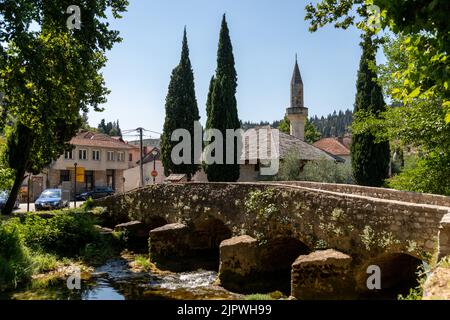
<point x="334" y="125"/>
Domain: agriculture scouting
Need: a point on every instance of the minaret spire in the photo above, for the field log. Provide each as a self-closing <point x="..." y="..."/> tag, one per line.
<point x="297" y="87"/>
<point x="297" y="113"/>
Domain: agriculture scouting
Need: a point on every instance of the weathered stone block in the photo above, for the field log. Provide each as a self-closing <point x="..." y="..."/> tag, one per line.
<point x="171" y="240"/>
<point x="444" y="237"/>
<point x="136" y="234"/>
<point x="134" y="228"/>
<point x="322" y="275"/>
<point x="238" y="260"/>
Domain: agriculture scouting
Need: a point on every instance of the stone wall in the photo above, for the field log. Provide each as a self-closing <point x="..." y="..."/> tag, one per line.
<point x="381" y="193"/>
<point x="357" y="225"/>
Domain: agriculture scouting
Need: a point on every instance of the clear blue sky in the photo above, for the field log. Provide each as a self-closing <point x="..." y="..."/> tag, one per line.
<point x="266" y="34"/>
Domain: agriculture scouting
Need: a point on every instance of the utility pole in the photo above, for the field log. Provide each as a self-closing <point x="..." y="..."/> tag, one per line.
<point x="142" y="155"/>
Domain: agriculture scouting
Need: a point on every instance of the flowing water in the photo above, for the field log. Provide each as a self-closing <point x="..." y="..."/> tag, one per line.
<point x="115" y="281"/>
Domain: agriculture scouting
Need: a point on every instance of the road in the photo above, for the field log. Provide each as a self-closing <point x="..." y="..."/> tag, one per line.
<point x="23" y="207"/>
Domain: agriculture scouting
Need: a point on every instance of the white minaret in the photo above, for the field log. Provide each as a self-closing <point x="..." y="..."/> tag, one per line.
<point x="297" y="113"/>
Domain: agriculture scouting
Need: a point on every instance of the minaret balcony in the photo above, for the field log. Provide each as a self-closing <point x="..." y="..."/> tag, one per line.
<point x="297" y="111"/>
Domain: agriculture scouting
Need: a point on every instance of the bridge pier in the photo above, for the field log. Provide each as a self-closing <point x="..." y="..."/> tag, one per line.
<point x="323" y="275"/>
<point x="249" y="266"/>
<point x="171" y="240"/>
<point x="444" y="237"/>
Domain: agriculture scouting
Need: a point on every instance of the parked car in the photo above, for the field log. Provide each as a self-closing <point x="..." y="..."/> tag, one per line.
<point x="51" y="199"/>
<point x="96" y="193"/>
<point x="4" y="195"/>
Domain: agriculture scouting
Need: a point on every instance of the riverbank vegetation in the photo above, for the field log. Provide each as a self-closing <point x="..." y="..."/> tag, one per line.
<point x="32" y="245"/>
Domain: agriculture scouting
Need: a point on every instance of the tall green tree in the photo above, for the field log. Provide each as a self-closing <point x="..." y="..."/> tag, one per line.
<point x="181" y="113"/>
<point x="50" y="74"/>
<point x="370" y="157"/>
<point x="222" y="110"/>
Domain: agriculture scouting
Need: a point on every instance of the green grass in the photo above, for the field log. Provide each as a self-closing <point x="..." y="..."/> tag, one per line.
<point x="143" y="262"/>
<point x="264" y="297"/>
<point x="44" y="262"/>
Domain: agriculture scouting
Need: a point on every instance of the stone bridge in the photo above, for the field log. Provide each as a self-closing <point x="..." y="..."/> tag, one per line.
<point x="262" y="228"/>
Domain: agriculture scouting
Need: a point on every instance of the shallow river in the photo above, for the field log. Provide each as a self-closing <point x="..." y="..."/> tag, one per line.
<point x="115" y="281"/>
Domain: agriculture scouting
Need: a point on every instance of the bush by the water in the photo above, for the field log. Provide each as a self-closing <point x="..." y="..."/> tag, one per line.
<point x="35" y="244"/>
<point x="15" y="260"/>
<point x="67" y="233"/>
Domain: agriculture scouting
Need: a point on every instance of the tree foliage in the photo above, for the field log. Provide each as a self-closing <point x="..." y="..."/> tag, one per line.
<point x="293" y="169"/>
<point x="311" y="133"/>
<point x="181" y="113"/>
<point x="418" y="126"/>
<point x="370" y="157"/>
<point x="336" y="124"/>
<point x="49" y="75"/>
<point x="111" y="128"/>
<point x="426" y="27"/>
<point x="222" y="106"/>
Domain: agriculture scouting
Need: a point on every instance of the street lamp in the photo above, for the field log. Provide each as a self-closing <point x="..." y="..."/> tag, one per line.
<point x="154" y="154"/>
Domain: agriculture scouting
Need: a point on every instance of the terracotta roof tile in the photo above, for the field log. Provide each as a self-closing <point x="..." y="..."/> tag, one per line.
<point x="92" y="139"/>
<point x="332" y="146"/>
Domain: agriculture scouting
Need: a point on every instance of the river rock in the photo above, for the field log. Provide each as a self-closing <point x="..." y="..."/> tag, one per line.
<point x="322" y="275"/>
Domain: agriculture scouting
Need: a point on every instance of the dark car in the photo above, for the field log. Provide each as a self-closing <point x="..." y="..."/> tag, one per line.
<point x="96" y="193"/>
<point x="51" y="199"/>
<point x="4" y="195"/>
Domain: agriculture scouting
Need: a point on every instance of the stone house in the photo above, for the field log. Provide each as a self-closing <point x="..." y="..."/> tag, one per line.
<point x="101" y="161"/>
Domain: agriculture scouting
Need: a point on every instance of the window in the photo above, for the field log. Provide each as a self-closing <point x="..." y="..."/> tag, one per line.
<point x="82" y="154"/>
<point x="111" y="156"/>
<point x="121" y="156"/>
<point x="68" y="155"/>
<point x="96" y="155"/>
<point x="64" y="176"/>
<point x="130" y="157"/>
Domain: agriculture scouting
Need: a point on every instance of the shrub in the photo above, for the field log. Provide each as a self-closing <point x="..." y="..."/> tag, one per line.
<point x="430" y="174"/>
<point x="89" y="204"/>
<point x="292" y="169"/>
<point x="15" y="261"/>
<point x="66" y="234"/>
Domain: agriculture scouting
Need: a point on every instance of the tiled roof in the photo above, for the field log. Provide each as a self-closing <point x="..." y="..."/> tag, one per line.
<point x="286" y="143"/>
<point x="333" y="146"/>
<point x="92" y="139"/>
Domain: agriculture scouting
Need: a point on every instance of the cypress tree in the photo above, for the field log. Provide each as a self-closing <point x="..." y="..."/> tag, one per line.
<point x="222" y="106"/>
<point x="181" y="113"/>
<point x="209" y="99"/>
<point x="370" y="158"/>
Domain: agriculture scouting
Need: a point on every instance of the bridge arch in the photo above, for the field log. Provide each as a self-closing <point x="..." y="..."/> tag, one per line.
<point x="398" y="271"/>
